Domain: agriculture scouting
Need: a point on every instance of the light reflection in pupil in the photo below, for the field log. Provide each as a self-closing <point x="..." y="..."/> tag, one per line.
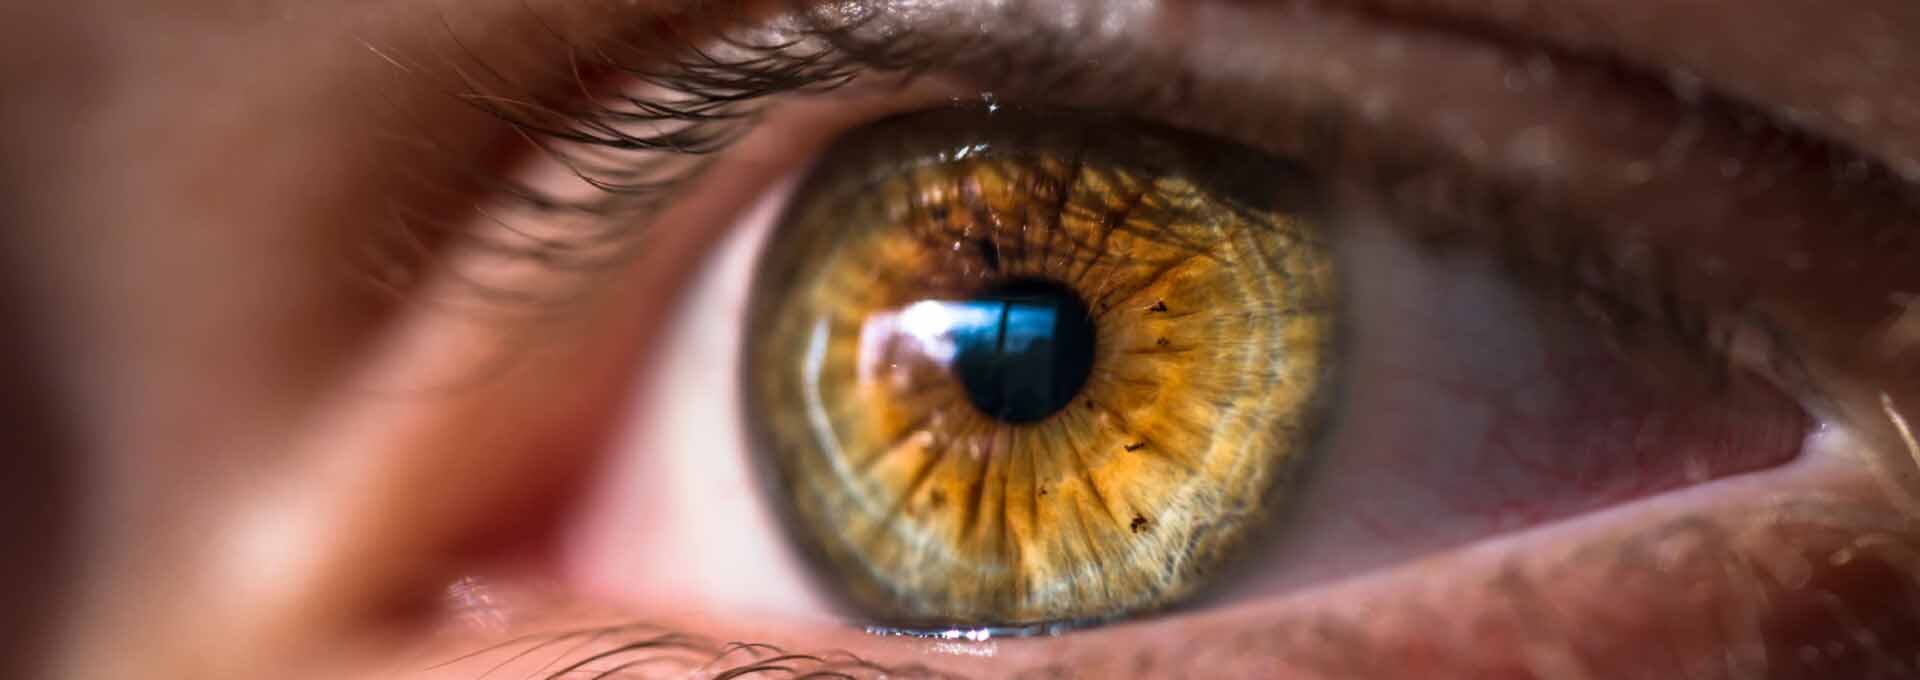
<point x="1022" y="349"/>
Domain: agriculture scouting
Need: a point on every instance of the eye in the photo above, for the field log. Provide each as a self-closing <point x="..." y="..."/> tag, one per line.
<point x="1016" y="370"/>
<point x="1367" y="309"/>
<point x="1333" y="394"/>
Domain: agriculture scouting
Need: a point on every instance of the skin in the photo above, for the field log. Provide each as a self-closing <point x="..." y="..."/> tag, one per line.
<point x="235" y="454"/>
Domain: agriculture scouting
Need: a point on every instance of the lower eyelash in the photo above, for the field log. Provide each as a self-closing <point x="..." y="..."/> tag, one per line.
<point x="614" y="650"/>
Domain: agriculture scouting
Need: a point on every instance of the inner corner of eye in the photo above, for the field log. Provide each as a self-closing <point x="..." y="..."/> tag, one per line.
<point x="986" y="367"/>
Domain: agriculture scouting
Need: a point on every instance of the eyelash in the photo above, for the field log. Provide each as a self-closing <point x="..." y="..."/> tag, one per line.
<point x="638" y="151"/>
<point x="608" y="651"/>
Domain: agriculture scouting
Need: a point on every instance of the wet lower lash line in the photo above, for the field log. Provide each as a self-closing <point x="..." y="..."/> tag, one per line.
<point x="984" y="633"/>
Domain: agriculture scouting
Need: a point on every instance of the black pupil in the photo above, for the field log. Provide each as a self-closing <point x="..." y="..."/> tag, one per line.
<point x="1030" y="354"/>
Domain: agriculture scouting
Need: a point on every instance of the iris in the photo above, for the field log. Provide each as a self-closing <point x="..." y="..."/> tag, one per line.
<point x="1023" y="368"/>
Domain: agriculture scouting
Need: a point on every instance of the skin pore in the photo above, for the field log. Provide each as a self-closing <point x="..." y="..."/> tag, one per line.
<point x="239" y="454"/>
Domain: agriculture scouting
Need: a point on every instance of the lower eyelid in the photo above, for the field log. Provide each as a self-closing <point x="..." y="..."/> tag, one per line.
<point x="1753" y="585"/>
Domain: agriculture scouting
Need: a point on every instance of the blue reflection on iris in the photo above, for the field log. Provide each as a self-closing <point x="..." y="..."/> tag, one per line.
<point x="1023" y="349"/>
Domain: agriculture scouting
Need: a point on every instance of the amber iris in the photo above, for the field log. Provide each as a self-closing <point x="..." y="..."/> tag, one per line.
<point x="1020" y="368"/>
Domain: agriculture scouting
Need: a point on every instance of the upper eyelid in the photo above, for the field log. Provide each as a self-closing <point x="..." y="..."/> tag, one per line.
<point x="1471" y="174"/>
<point x="706" y="97"/>
<point x="1639" y="169"/>
<point x="708" y="91"/>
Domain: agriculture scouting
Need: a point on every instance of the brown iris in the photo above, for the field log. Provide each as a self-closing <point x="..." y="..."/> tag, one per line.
<point x="1018" y="368"/>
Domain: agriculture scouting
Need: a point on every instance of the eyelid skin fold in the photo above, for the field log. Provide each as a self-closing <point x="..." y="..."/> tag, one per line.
<point x="1481" y="140"/>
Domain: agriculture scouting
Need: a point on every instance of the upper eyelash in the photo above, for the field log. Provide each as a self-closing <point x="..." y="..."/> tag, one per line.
<point x="705" y="93"/>
<point x="704" y="87"/>
<point x="635" y="154"/>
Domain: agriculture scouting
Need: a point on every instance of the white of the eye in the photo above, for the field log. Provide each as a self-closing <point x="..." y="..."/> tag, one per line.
<point x="677" y="522"/>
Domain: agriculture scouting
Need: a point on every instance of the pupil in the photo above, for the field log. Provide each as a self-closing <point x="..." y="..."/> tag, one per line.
<point x="1028" y="356"/>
